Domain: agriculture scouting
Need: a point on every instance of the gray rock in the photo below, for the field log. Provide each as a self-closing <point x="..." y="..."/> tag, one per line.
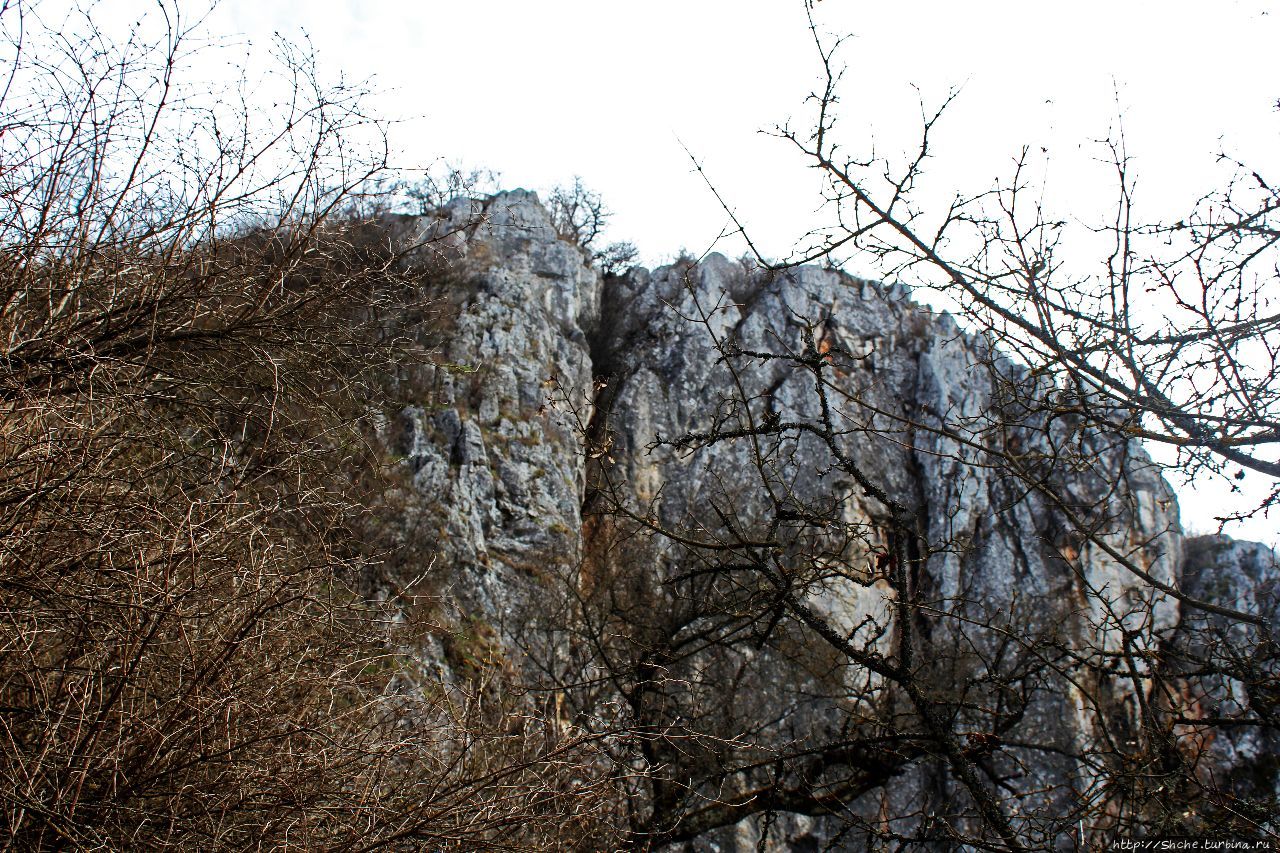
<point x="545" y="351"/>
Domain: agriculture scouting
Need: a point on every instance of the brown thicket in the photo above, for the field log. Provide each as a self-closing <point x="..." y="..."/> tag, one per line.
<point x="198" y="324"/>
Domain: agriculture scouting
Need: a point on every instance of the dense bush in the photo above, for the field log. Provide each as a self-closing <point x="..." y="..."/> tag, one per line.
<point x="194" y="322"/>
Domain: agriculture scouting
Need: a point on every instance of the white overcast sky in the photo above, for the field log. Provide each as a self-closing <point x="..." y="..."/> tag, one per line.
<point x="610" y="91"/>
<point x="544" y="91"/>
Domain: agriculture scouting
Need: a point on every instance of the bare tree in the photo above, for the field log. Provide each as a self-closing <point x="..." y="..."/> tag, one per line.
<point x="580" y="216"/>
<point x="1176" y="342"/>
<point x="959" y="708"/>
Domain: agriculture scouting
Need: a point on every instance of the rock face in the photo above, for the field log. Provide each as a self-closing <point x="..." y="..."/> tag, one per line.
<point x="1246" y="576"/>
<point x="497" y="475"/>
<point x="544" y="356"/>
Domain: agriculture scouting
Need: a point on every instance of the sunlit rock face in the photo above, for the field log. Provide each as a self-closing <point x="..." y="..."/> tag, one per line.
<point x="560" y="385"/>
<point x="497" y="476"/>
<point x="914" y="401"/>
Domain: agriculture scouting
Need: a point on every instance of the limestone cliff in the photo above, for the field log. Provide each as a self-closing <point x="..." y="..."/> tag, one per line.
<point x="558" y="391"/>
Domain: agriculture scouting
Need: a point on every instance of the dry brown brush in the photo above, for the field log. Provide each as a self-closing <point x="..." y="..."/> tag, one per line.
<point x="197" y="328"/>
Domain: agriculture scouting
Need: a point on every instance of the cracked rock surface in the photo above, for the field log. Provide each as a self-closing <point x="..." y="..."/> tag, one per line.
<point x="540" y="349"/>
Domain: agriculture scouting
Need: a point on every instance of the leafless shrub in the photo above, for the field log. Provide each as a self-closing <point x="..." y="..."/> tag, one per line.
<point x="444" y="182"/>
<point x="580" y="216"/>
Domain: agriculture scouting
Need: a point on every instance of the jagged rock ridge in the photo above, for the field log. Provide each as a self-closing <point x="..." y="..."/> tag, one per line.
<point x="550" y="352"/>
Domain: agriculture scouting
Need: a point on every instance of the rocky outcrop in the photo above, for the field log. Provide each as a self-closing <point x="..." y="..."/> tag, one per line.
<point x="544" y="357"/>
<point x="1246" y="576"/>
<point x="913" y="396"/>
<point x="497" y="475"/>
